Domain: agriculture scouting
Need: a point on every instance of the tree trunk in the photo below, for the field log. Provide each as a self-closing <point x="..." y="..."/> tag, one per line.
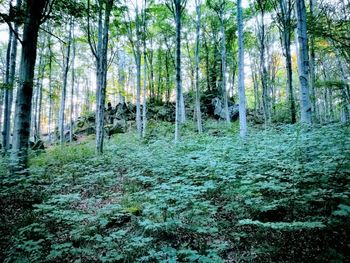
<point x="64" y="86"/>
<point x="72" y="90"/>
<point x="241" y="89"/>
<point x="144" y="108"/>
<point x="303" y="62"/>
<point x="39" y="93"/>
<point x="8" y="92"/>
<point x="34" y="9"/>
<point x="50" y="89"/>
<point x="223" y="63"/>
<point x="179" y="97"/>
<point x="263" y="70"/>
<point x="285" y="8"/>
<point x="8" y="98"/>
<point x="40" y="102"/>
<point x="138" y="91"/>
<point x="312" y="66"/>
<point x="198" y="102"/>
<point x="101" y="71"/>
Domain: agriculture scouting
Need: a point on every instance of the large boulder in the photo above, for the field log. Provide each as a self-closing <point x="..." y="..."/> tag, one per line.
<point x="118" y="126"/>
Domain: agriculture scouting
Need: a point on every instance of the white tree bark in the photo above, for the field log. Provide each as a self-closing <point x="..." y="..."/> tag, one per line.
<point x="241" y="88"/>
<point x="8" y="99"/>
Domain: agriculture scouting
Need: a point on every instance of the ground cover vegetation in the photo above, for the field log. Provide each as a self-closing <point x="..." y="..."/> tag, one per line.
<point x="280" y="195"/>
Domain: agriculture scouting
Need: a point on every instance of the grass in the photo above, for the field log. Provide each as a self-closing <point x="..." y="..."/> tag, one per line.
<point x="280" y="195"/>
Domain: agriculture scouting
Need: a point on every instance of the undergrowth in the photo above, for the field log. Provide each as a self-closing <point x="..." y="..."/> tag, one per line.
<point x="280" y="195"/>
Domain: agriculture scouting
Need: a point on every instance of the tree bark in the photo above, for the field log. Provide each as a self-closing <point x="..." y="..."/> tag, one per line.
<point x="241" y="88"/>
<point x="263" y="70"/>
<point x="8" y="99"/>
<point x="7" y="95"/>
<point x="34" y="11"/>
<point x="312" y="67"/>
<point x="198" y="102"/>
<point x="223" y="62"/>
<point x="64" y="86"/>
<point x="303" y="63"/>
<point x="72" y="89"/>
<point x="144" y="108"/>
<point x="284" y="9"/>
<point x="50" y="88"/>
<point x="179" y="97"/>
<point x="101" y="71"/>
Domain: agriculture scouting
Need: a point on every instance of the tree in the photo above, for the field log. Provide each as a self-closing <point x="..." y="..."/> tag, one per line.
<point x="136" y="44"/>
<point x="10" y="79"/>
<point x="262" y="6"/>
<point x="144" y="108"/>
<point x="65" y="82"/>
<point x="72" y="88"/>
<point x="241" y="88"/>
<point x="50" y="55"/>
<point x="284" y="10"/>
<point x="35" y="15"/>
<point x="104" y="8"/>
<point x="177" y="7"/>
<point x="198" y="102"/>
<point x="219" y="8"/>
<point x="312" y="79"/>
<point x="305" y="104"/>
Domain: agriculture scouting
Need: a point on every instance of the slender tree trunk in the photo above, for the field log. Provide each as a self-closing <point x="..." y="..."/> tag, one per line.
<point x="101" y="71"/>
<point x="40" y="101"/>
<point x="72" y="90"/>
<point x="303" y="62"/>
<point x="2" y="95"/>
<point x="179" y="97"/>
<point x="263" y="70"/>
<point x="198" y="102"/>
<point x="207" y="68"/>
<point x="167" y="77"/>
<point x="256" y="89"/>
<point x="8" y="99"/>
<point x="138" y="92"/>
<point x="312" y="67"/>
<point x="144" y="108"/>
<point x="241" y="89"/>
<point x="285" y="8"/>
<point x="223" y="63"/>
<point x="34" y="9"/>
<point x="64" y="86"/>
<point x="8" y="91"/>
<point x="39" y="93"/>
<point x="50" y="89"/>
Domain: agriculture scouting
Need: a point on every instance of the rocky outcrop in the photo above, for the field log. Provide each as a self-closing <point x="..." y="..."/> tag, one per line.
<point x="219" y="110"/>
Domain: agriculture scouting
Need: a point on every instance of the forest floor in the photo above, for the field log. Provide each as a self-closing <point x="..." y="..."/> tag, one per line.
<point x="280" y="195"/>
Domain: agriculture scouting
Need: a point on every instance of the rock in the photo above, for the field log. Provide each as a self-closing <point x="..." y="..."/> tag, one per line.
<point x="219" y="110"/>
<point x="118" y="126"/>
